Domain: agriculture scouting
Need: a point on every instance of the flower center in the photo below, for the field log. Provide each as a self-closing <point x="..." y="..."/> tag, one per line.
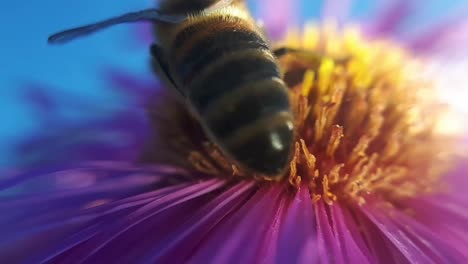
<point x="366" y="124"/>
<point x="365" y="120"/>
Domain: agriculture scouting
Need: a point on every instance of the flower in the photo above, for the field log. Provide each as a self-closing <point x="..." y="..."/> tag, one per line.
<point x="375" y="177"/>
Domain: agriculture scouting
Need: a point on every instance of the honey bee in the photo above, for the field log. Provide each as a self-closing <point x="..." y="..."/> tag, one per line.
<point x="215" y="55"/>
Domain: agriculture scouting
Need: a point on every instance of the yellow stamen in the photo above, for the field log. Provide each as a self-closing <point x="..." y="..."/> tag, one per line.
<point x="308" y="82"/>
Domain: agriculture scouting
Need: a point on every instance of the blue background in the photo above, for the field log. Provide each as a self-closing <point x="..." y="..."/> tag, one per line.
<point x="73" y="70"/>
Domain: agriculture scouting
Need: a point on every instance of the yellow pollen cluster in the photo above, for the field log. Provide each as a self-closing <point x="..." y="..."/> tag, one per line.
<point x="366" y="123"/>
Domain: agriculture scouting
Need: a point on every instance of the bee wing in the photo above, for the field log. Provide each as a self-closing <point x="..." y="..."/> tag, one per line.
<point x="161" y="67"/>
<point x="152" y="15"/>
<point x="189" y="6"/>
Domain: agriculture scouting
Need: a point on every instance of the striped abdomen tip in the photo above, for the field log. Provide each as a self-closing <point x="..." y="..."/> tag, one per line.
<point x="254" y="124"/>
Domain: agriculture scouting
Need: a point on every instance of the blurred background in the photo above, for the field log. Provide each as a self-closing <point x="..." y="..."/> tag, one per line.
<point x="72" y="75"/>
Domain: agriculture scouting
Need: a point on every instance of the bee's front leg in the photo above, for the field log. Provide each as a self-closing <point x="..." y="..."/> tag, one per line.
<point x="300" y="53"/>
<point x="306" y="55"/>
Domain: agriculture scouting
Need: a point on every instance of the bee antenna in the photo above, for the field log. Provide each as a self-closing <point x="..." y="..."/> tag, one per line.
<point x="151" y="15"/>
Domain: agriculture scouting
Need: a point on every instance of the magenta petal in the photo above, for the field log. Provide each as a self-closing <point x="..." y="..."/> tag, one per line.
<point x="447" y="220"/>
<point x="347" y="231"/>
<point x="329" y="249"/>
<point x="339" y="239"/>
<point x="405" y="245"/>
<point x="378" y="248"/>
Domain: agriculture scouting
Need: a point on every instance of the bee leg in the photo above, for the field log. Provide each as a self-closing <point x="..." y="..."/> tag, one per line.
<point x="161" y="67"/>
<point x="281" y="51"/>
<point x="306" y="55"/>
<point x="301" y="53"/>
<point x="308" y="60"/>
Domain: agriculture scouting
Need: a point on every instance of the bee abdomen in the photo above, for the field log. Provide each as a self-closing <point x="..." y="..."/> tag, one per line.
<point x="232" y="80"/>
<point x="254" y="124"/>
<point x="233" y="72"/>
<point x="264" y="146"/>
<point x="245" y="106"/>
<point x="204" y="56"/>
<point x="199" y="48"/>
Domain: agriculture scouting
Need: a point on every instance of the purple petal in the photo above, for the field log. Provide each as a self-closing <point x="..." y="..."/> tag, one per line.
<point x="117" y="133"/>
<point x="412" y="252"/>
<point x="448" y="37"/>
<point x="297" y="238"/>
<point x="134" y="232"/>
<point x="339" y="239"/>
<point x="179" y="244"/>
<point x="50" y="212"/>
<point x="36" y="96"/>
<point x="102" y="217"/>
<point x="347" y="234"/>
<point x="329" y="249"/>
<point x="389" y="21"/>
<point x="137" y="89"/>
<point x="255" y="223"/>
<point x="142" y="36"/>
<point x="278" y="16"/>
<point x="380" y="247"/>
<point x="414" y="238"/>
<point x="458" y="179"/>
<point x="337" y="9"/>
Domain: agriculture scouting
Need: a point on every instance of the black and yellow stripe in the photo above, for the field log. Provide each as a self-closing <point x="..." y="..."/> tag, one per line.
<point x="230" y="76"/>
